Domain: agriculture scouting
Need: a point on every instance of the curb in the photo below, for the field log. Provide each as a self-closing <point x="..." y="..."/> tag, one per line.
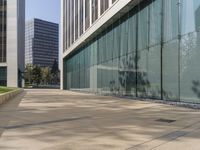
<point x="9" y="95"/>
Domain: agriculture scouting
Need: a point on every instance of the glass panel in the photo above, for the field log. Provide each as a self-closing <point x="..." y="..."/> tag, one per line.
<point x="155" y="22"/>
<point x="106" y="72"/>
<point x="95" y="53"/>
<point x="143" y="26"/>
<point x="3" y="16"/>
<point x="131" y="75"/>
<point x="87" y="79"/>
<point x="124" y="35"/>
<point x="148" y="76"/>
<point x="116" y="39"/>
<point x="82" y="69"/>
<point x="190" y="15"/>
<point x="142" y="73"/>
<point x="3" y="76"/>
<point x="99" y="84"/>
<point x="170" y="19"/>
<point x="115" y="76"/>
<point x="102" y="48"/>
<point x="154" y="72"/>
<point x="190" y="79"/>
<point x="109" y="44"/>
<point x="170" y="70"/>
<point x="122" y="75"/>
<point x="132" y="31"/>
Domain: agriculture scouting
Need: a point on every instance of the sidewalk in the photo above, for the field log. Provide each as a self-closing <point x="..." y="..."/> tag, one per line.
<point x="61" y="120"/>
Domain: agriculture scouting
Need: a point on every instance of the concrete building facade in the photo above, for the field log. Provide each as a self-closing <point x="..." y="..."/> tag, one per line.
<point x="42" y="43"/>
<point x="12" y="43"/>
<point x="136" y="48"/>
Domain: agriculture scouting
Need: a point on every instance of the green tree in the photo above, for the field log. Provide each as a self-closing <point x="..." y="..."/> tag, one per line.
<point x="55" y="69"/>
<point x="46" y="75"/>
<point x="55" y="72"/>
<point x="37" y="75"/>
<point x="28" y="74"/>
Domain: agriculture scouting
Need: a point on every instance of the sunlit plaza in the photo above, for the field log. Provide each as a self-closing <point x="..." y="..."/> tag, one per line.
<point x="99" y="75"/>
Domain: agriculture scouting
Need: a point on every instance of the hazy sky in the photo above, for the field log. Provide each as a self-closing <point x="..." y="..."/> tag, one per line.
<point x="43" y="9"/>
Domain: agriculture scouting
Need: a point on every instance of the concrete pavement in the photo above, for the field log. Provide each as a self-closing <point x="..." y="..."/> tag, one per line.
<point x="61" y="120"/>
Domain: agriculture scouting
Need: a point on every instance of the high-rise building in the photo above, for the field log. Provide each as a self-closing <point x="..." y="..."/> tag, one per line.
<point x="136" y="48"/>
<point x="12" y="30"/>
<point x="42" y="43"/>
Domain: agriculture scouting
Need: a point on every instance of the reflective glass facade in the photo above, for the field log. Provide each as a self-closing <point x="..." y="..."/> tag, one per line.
<point x="3" y="14"/>
<point x="3" y="76"/>
<point x="150" y="52"/>
<point x="42" y="43"/>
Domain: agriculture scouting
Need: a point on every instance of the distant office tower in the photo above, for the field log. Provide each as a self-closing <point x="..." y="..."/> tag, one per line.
<point x="42" y="43"/>
<point x="12" y="30"/>
<point x="139" y="48"/>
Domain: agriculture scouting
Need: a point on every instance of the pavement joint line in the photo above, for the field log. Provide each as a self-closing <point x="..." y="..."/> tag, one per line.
<point x="168" y="136"/>
<point x="186" y="133"/>
<point x="44" y="122"/>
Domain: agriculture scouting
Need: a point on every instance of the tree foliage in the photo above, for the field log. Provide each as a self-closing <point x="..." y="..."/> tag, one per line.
<point x="36" y="75"/>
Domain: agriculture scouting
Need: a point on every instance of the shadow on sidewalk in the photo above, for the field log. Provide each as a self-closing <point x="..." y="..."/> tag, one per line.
<point x="6" y="110"/>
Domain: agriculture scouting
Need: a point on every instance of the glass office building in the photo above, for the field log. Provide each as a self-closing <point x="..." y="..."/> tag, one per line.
<point x="41" y="42"/>
<point x="144" y="49"/>
<point x="12" y="16"/>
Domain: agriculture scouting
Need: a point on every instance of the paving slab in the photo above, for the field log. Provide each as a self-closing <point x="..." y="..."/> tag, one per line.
<point x="40" y="119"/>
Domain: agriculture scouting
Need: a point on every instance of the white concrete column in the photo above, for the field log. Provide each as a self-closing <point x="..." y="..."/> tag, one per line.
<point x="15" y="40"/>
<point x="62" y="47"/>
<point x="79" y="18"/>
<point x="12" y="67"/>
<point x="90" y="12"/>
<point x="67" y="22"/>
<point x="70" y="21"/>
<point x="99" y="8"/>
<point x="83" y="16"/>
<point x="110" y="3"/>
<point x="74" y="1"/>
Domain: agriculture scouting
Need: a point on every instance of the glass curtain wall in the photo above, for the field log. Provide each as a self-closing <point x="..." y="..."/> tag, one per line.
<point x="3" y="76"/>
<point x="150" y="52"/>
<point x="3" y="6"/>
<point x="190" y="51"/>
